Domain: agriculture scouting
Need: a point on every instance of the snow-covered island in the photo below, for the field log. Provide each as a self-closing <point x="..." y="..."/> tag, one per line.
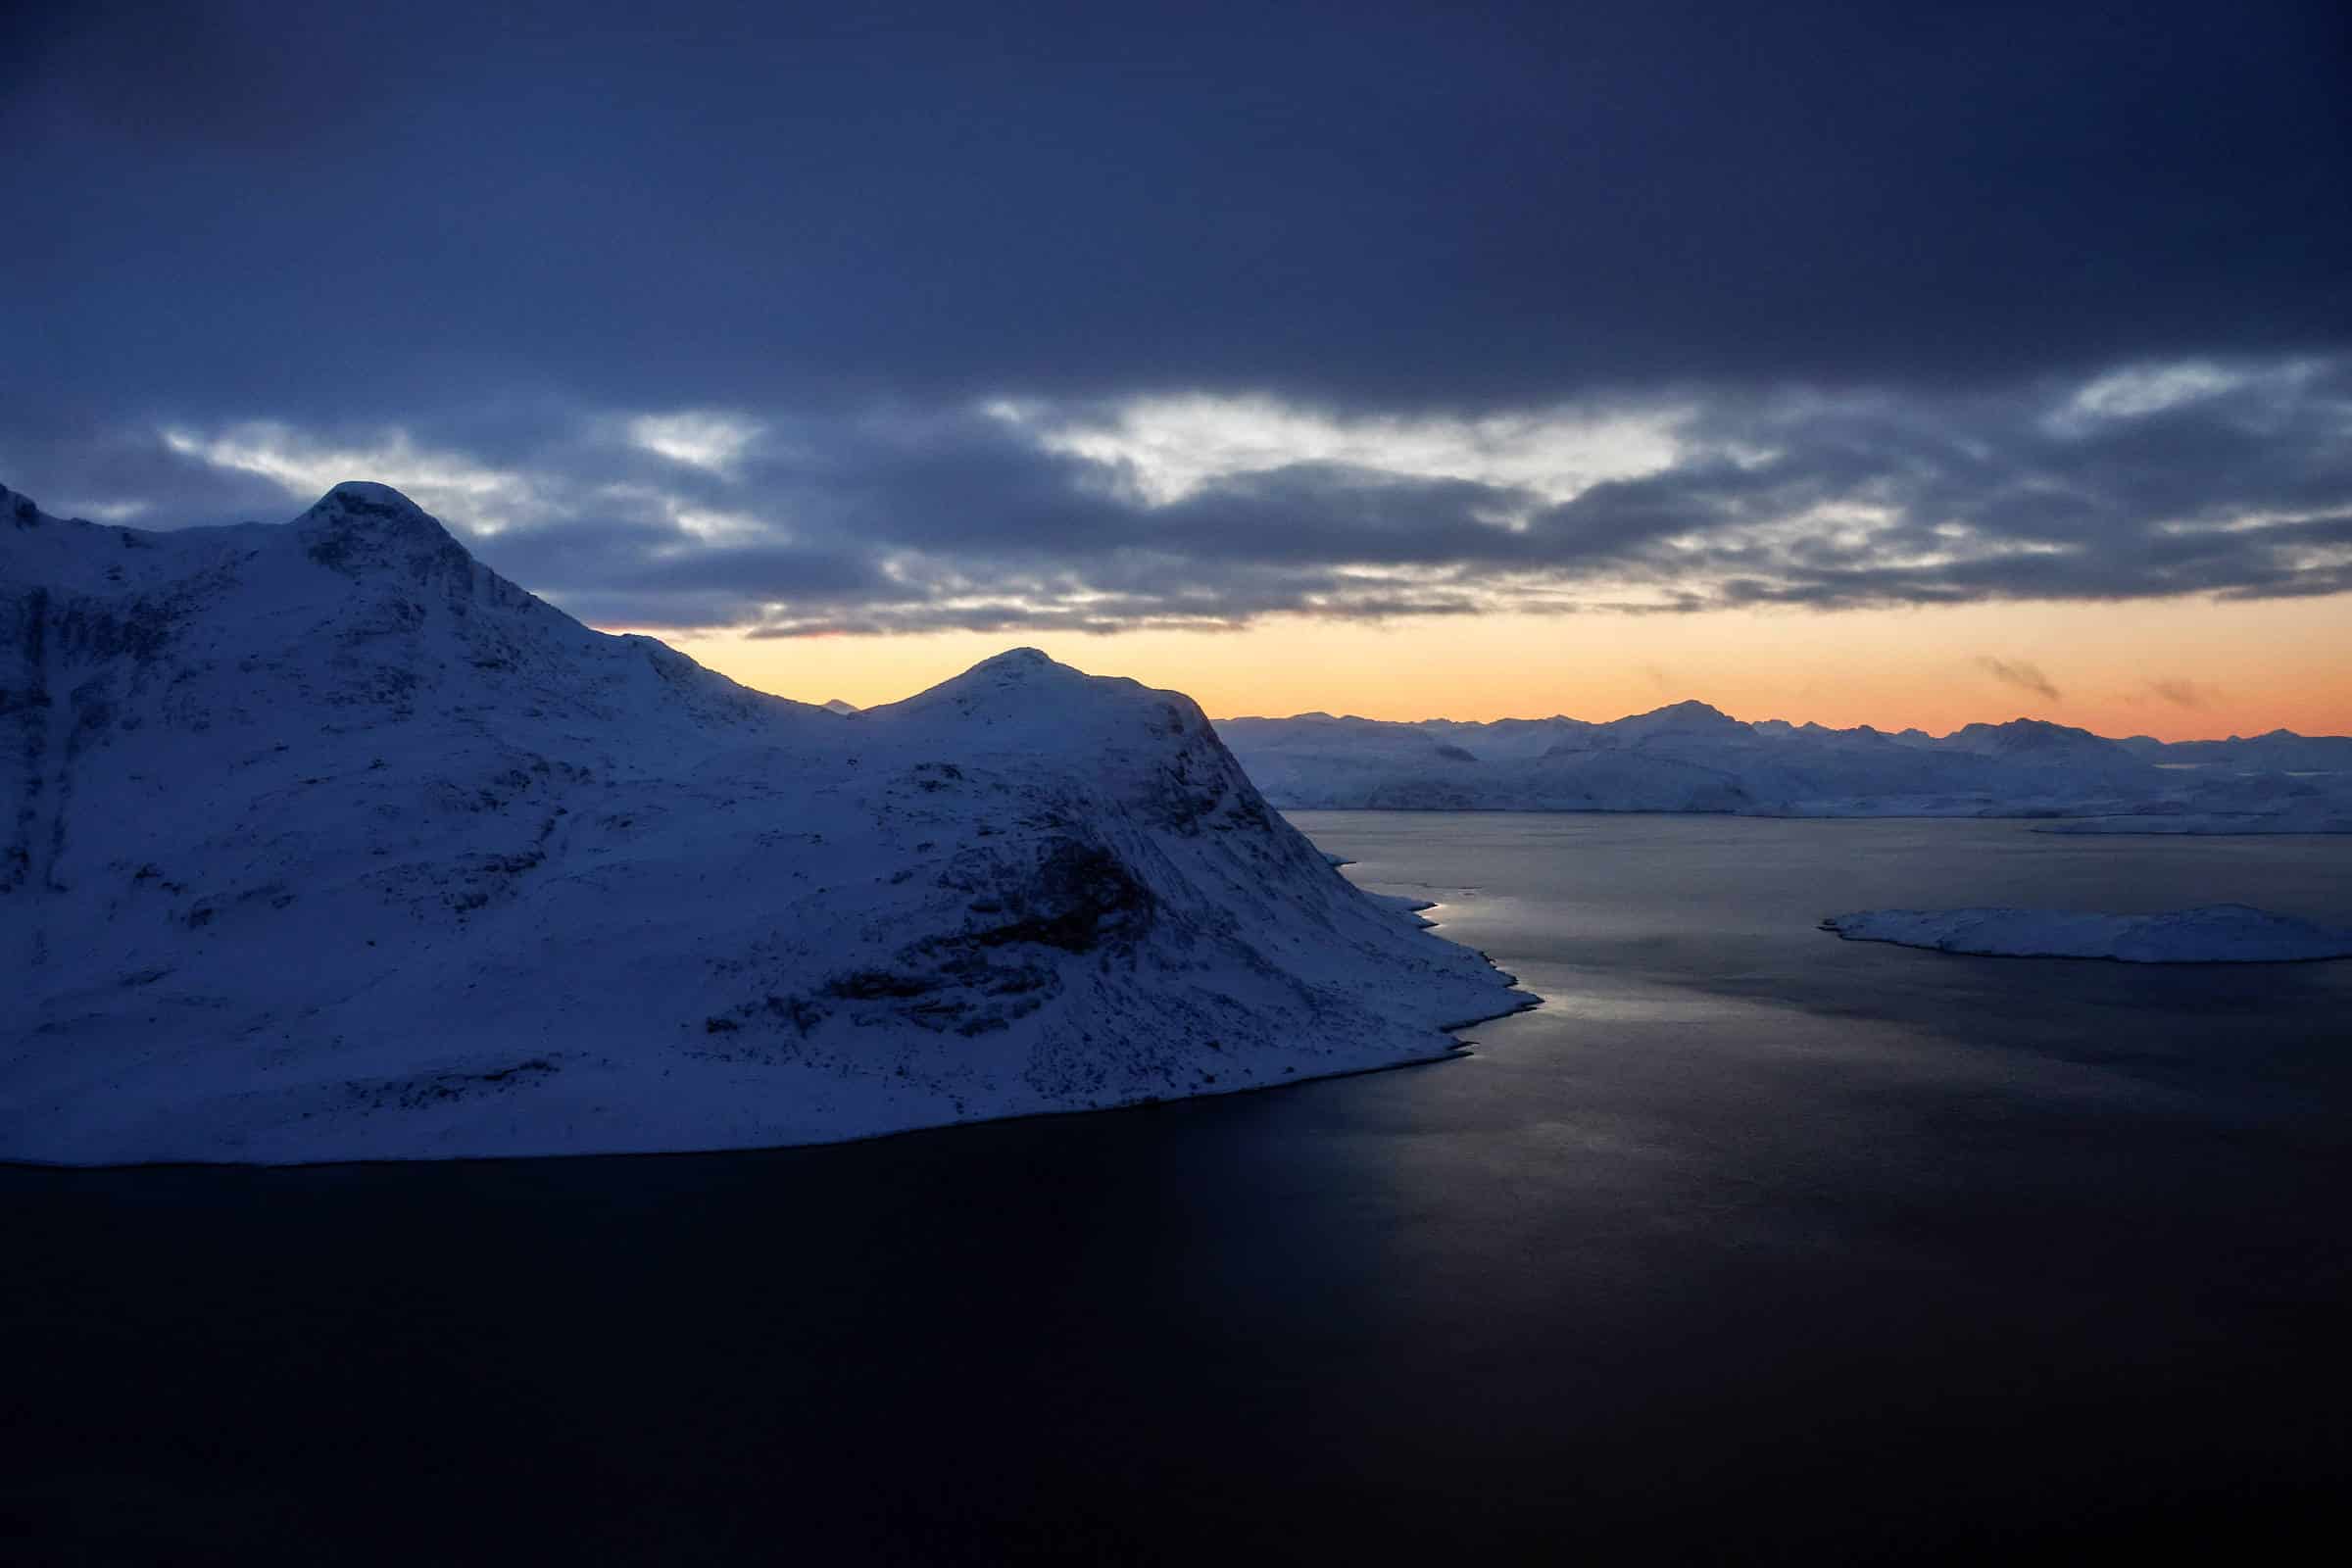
<point x="1693" y="758"/>
<point x="326" y="842"/>
<point x="2214" y="933"/>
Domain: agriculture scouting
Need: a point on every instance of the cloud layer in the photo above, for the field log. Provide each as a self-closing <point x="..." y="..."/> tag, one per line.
<point x="2238" y="482"/>
<point x="1094" y="317"/>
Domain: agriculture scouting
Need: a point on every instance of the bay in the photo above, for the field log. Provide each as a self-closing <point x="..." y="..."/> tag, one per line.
<point x="1749" y="1242"/>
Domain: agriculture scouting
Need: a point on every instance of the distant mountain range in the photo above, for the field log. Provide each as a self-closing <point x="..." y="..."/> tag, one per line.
<point x="2280" y="750"/>
<point x="1689" y="757"/>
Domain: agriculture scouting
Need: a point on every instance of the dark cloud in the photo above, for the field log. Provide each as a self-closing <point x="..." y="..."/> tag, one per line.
<point x="1997" y="498"/>
<point x="71" y="460"/>
<point x="1907" y="503"/>
<point x="1873" y="251"/>
<point x="2184" y="693"/>
<point x="658" y="573"/>
<point x="247" y="78"/>
<point x="304" y="211"/>
<point x="913" y="520"/>
<point x="2019" y="675"/>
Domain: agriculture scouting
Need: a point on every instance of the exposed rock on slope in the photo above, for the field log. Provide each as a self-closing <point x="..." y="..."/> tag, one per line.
<point x="324" y="842"/>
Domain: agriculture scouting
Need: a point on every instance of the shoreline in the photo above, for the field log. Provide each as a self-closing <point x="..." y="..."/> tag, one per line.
<point x="1455" y="1050"/>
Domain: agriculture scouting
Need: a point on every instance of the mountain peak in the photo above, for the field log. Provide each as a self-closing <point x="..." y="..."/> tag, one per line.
<point x="363" y="503"/>
<point x="1688" y="713"/>
<point x="360" y="526"/>
<point x="1022" y="671"/>
<point x="1015" y="662"/>
<point x="2031" y="737"/>
<point x="1017" y="675"/>
<point x="1691" y="717"/>
<point x="369" y="492"/>
<point x="1021" y="698"/>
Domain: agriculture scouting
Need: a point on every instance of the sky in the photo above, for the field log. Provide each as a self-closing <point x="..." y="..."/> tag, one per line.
<point x="1832" y="361"/>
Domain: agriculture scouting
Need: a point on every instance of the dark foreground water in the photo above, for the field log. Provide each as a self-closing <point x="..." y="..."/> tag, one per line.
<point x="1751" y="1244"/>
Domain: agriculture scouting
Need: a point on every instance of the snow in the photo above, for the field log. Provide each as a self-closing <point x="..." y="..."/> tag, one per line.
<point x="1689" y="757"/>
<point x="323" y="842"/>
<point x="2316" y="813"/>
<point x="2216" y="933"/>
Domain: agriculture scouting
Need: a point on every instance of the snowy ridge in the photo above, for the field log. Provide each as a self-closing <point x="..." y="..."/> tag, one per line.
<point x="322" y="841"/>
<point x="1689" y="757"/>
<point x="2214" y="933"/>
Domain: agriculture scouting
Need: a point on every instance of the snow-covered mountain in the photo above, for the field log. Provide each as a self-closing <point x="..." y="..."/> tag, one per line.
<point x="2214" y="933"/>
<point x="324" y="842"/>
<point x="1689" y="757"/>
<point x="2280" y="751"/>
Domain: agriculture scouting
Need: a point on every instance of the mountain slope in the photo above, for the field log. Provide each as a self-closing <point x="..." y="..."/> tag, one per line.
<point x="326" y="842"/>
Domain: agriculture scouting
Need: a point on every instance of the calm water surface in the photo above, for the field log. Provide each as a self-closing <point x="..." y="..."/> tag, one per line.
<point x="1751" y="1243"/>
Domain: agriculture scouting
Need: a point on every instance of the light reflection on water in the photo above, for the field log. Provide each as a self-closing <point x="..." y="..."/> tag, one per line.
<point x="1748" y="1239"/>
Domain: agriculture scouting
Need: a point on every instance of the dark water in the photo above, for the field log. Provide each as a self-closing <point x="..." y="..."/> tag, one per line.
<point x="1752" y="1242"/>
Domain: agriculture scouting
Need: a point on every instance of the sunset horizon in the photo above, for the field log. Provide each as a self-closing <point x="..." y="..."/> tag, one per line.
<point x="1855" y="670"/>
<point x="1855" y="371"/>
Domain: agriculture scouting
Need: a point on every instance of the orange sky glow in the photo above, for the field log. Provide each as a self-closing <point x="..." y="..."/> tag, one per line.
<point x="2178" y="669"/>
